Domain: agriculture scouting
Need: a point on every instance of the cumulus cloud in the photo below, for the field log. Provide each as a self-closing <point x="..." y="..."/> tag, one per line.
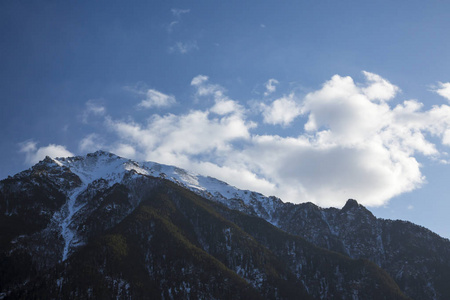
<point x="344" y="109"/>
<point x="157" y="99"/>
<point x="33" y="154"/>
<point x="282" y="111"/>
<point x="223" y="105"/>
<point x="152" y="97"/>
<point x="270" y="86"/>
<point x="379" y="88"/>
<point x="353" y="144"/>
<point x="443" y="89"/>
<point x="167" y="138"/>
<point x="327" y="174"/>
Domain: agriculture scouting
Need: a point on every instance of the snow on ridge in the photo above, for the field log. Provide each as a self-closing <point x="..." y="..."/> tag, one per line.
<point x="95" y="166"/>
<point x="134" y="166"/>
<point x="113" y="168"/>
<point x="56" y="161"/>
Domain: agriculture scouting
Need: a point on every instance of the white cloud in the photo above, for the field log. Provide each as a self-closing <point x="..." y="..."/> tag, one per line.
<point x="124" y="150"/>
<point x="237" y="175"/>
<point x="158" y="99"/>
<point x="328" y="174"/>
<point x="204" y="88"/>
<point x="223" y="104"/>
<point x="92" y="108"/>
<point x="270" y="86"/>
<point x="33" y="154"/>
<point x="352" y="145"/>
<point x="177" y="12"/>
<point x="153" y="98"/>
<point x="282" y="111"/>
<point x="199" y="79"/>
<point x="183" y="47"/>
<point x="344" y="109"/>
<point x="446" y="137"/>
<point x="379" y="88"/>
<point x="170" y="136"/>
<point x="91" y="143"/>
<point x="443" y="89"/>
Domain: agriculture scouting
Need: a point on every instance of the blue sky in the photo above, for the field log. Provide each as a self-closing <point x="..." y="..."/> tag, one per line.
<point x="306" y="100"/>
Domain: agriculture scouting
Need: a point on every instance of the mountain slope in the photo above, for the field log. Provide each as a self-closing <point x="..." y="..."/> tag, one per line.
<point x="416" y="258"/>
<point x="107" y="228"/>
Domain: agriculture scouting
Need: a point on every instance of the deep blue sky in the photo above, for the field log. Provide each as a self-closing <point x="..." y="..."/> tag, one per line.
<point x="74" y="76"/>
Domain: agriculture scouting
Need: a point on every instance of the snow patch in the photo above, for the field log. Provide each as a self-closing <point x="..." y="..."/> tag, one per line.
<point x="67" y="233"/>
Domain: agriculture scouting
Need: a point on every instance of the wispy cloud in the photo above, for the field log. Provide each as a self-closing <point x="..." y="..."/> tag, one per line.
<point x="184" y="44"/>
<point x="183" y="47"/>
<point x="171" y="26"/>
<point x="93" y="107"/>
<point x="124" y="150"/>
<point x="91" y="143"/>
<point x="270" y="86"/>
<point x="152" y="97"/>
<point x="223" y="105"/>
<point x="157" y="99"/>
<point x="177" y="12"/>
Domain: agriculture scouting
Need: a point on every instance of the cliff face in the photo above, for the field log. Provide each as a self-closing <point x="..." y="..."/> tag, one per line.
<point x="417" y="259"/>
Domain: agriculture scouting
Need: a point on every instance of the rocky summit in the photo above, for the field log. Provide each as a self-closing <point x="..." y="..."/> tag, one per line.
<point x="100" y="226"/>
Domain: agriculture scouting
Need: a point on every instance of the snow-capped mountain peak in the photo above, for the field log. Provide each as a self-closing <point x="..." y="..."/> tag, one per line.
<point x="61" y="204"/>
<point x="112" y="168"/>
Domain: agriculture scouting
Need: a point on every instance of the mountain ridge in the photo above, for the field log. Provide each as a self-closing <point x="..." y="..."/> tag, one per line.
<point x="106" y="187"/>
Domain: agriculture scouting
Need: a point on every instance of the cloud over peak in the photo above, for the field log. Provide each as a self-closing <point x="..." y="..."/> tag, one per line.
<point x="349" y="143"/>
<point x="33" y="154"/>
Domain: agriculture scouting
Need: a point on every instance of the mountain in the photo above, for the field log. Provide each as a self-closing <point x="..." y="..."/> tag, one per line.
<point x="102" y="226"/>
